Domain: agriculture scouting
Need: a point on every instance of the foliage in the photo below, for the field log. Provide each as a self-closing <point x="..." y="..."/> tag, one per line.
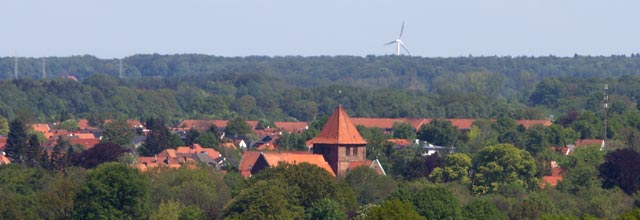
<point x="16" y="148"/>
<point x="4" y="126"/>
<point x="113" y="191"/>
<point x="403" y="130"/>
<point x="118" y="132"/>
<point x="200" y="187"/>
<point x="393" y="209"/>
<point x="482" y="209"/>
<point x="98" y="154"/>
<point x="456" y="168"/>
<point x="370" y="186"/>
<point x="237" y="126"/>
<point x="325" y="209"/>
<point x="500" y="165"/>
<point x="159" y="138"/>
<point x="436" y="203"/>
<point x="621" y="169"/>
<point x="265" y="199"/>
<point x="439" y="132"/>
<point x="69" y="125"/>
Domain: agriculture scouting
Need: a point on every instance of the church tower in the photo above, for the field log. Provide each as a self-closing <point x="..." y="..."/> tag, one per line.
<point x="340" y="143"/>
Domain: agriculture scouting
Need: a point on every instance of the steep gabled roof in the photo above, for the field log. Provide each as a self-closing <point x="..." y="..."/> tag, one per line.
<point x="248" y="160"/>
<point x="339" y="130"/>
<point x="528" y="123"/>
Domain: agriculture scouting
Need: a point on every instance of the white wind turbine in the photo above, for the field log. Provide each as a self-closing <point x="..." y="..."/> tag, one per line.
<point x="399" y="43"/>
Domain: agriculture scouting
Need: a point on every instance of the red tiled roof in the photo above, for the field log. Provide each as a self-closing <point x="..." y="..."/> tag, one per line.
<point x="196" y="148"/>
<point x="384" y="123"/>
<point x="400" y="142"/>
<point x="203" y="125"/>
<point x="529" y="123"/>
<point x="339" y="130"/>
<point x="551" y="180"/>
<point x="249" y="158"/>
<point x="4" y="159"/>
<point x="274" y="158"/>
<point x="85" y="142"/>
<point x="360" y="163"/>
<point x="229" y="145"/>
<point x="131" y="122"/>
<point x="56" y="133"/>
<point x="3" y="143"/>
<point x="585" y="142"/>
<point x="462" y="123"/>
<point x="291" y="126"/>
<point x="42" y="128"/>
<point x="83" y="124"/>
<point x="84" y="135"/>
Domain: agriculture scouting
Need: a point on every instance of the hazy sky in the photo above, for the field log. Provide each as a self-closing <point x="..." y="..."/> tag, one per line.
<point x="119" y="28"/>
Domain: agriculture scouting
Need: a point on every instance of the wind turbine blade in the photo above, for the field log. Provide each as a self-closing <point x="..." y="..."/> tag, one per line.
<point x="392" y="42"/>
<point x="405" y="48"/>
<point x="401" y="30"/>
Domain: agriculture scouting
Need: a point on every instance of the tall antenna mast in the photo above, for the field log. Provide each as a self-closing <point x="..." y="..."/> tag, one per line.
<point x="15" y="67"/>
<point x="606" y="106"/>
<point x="44" y="67"/>
<point x="121" y="69"/>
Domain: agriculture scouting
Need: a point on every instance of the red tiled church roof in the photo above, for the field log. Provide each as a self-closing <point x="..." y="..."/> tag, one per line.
<point x="274" y="158"/>
<point x="339" y="130"/>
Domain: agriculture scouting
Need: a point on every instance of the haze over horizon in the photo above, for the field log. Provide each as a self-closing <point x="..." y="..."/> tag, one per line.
<point x="119" y="28"/>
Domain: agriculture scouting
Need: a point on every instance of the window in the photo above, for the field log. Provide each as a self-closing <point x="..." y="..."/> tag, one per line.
<point x="348" y="151"/>
<point x="355" y="151"/>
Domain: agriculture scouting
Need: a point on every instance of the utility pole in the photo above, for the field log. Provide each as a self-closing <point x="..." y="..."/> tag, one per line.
<point x="606" y="106"/>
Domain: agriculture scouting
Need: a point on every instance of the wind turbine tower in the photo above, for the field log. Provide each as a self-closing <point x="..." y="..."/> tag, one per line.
<point x="399" y="42"/>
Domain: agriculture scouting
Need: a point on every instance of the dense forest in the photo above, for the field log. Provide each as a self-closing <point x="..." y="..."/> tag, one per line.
<point x="495" y="172"/>
<point x="301" y="88"/>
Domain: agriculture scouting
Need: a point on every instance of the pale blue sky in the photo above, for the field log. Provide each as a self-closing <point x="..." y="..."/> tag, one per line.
<point x="118" y="28"/>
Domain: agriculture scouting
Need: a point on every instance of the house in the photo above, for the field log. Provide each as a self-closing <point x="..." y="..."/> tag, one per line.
<point x="338" y="149"/>
<point x="135" y="124"/>
<point x="86" y="143"/>
<point x="249" y="158"/>
<point x="386" y="124"/>
<point x="400" y="143"/>
<point x="529" y="123"/>
<point x="175" y="158"/>
<point x="265" y="143"/>
<point x="42" y="128"/>
<point x="273" y="159"/>
<point x="83" y="125"/>
<point x="557" y="173"/>
<point x="293" y="127"/>
<point x="372" y="164"/>
<point x="463" y="124"/>
<point x="3" y="159"/>
<point x="3" y="143"/>
<point x="590" y="142"/>
<point x="204" y="125"/>
<point x="341" y="144"/>
<point x="195" y="149"/>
